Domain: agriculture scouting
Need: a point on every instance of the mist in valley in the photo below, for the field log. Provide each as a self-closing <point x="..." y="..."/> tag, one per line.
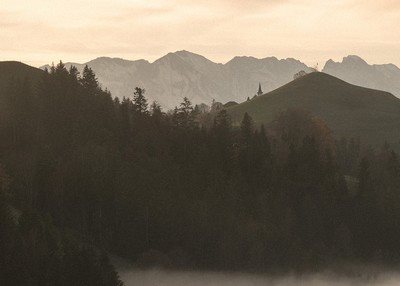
<point x="171" y="278"/>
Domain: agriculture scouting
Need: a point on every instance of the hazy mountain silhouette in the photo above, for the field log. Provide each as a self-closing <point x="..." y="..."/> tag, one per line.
<point x="349" y="110"/>
<point x="175" y="75"/>
<point x="355" y="70"/>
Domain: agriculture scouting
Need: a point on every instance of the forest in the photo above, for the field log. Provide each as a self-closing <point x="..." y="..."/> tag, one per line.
<point x="84" y="176"/>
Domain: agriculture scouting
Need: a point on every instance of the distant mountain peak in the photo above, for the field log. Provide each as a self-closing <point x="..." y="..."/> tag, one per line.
<point x="272" y="58"/>
<point x="187" y="53"/>
<point x="192" y="57"/>
<point x="106" y="59"/>
<point x="348" y="60"/>
<point x="291" y="60"/>
<point x="392" y="67"/>
<point x="168" y="57"/>
<point x="109" y="60"/>
<point x="354" y="59"/>
<point x="355" y="70"/>
<point x="242" y="59"/>
<point x="330" y="62"/>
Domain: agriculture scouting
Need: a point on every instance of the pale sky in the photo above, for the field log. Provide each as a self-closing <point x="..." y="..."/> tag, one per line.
<point x="44" y="31"/>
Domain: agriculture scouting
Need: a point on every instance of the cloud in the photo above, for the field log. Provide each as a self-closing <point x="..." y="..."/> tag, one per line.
<point x="311" y="30"/>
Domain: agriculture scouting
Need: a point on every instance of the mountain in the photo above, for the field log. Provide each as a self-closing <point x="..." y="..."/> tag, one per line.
<point x="349" y="110"/>
<point x="355" y="70"/>
<point x="175" y="75"/>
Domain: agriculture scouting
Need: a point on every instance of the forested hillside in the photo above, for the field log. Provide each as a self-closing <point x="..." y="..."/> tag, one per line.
<point x="84" y="175"/>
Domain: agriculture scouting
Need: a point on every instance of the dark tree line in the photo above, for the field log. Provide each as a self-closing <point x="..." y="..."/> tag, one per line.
<point x="85" y="174"/>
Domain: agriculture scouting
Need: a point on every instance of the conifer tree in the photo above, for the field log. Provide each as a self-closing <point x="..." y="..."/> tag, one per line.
<point x="89" y="80"/>
<point x="74" y="73"/>
<point x="156" y="112"/>
<point x="222" y="121"/>
<point x="246" y="128"/>
<point x="185" y="115"/>
<point x="186" y="107"/>
<point x="155" y="109"/>
<point x="222" y="132"/>
<point x="140" y="102"/>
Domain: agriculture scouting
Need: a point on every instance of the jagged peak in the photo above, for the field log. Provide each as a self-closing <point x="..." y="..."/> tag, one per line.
<point x="348" y="60"/>
<point x="242" y="58"/>
<point x="188" y="53"/>
<point x="292" y="60"/>
<point x="329" y="62"/>
<point x="114" y="60"/>
<point x="271" y="59"/>
<point x="354" y="59"/>
<point x="170" y="57"/>
<point x="184" y="54"/>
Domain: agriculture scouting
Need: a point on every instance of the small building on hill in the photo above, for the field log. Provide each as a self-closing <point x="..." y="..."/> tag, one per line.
<point x="259" y="92"/>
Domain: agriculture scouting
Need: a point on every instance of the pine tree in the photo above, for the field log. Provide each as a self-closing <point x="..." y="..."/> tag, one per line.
<point x="156" y="112"/>
<point x="74" y="73"/>
<point x="186" y="107"/>
<point x="140" y="102"/>
<point x="264" y="142"/>
<point x="222" y="121"/>
<point x="155" y="109"/>
<point x="247" y="128"/>
<point x="185" y="115"/>
<point x="89" y="80"/>
<point x="222" y="131"/>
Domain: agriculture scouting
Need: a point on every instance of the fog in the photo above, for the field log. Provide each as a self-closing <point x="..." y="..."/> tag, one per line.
<point x="165" y="278"/>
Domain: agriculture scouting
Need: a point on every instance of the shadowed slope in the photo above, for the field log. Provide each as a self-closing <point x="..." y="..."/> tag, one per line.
<point x="349" y="110"/>
<point x="18" y="71"/>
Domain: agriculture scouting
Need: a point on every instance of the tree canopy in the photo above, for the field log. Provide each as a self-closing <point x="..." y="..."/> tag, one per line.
<point x="84" y="175"/>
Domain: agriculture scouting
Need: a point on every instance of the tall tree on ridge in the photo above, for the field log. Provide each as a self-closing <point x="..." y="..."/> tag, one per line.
<point x="89" y="79"/>
<point x="140" y="102"/>
<point x="247" y="129"/>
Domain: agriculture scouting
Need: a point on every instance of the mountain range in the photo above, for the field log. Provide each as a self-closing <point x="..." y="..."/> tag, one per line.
<point x="175" y="75"/>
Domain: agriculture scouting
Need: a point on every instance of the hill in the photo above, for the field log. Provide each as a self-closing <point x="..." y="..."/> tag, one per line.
<point x="349" y="110"/>
<point x="182" y="73"/>
<point x="18" y="71"/>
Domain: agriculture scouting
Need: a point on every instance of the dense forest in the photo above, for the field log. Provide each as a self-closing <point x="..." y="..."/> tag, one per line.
<point x="84" y="175"/>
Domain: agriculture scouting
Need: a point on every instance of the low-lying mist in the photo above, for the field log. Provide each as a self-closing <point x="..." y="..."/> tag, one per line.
<point x="169" y="278"/>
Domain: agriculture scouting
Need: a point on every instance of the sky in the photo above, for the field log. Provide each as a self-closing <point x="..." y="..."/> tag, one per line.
<point x="38" y="32"/>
